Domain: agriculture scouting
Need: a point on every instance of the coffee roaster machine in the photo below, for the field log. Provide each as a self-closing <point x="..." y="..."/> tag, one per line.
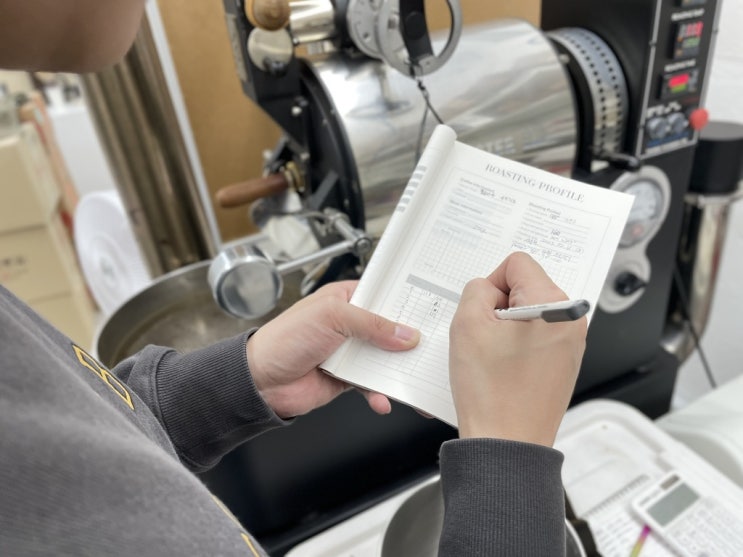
<point x="608" y="92"/>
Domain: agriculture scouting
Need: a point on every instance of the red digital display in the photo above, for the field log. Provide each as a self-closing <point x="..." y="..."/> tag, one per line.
<point x="688" y="39"/>
<point x="691" y="30"/>
<point x="679" y="83"/>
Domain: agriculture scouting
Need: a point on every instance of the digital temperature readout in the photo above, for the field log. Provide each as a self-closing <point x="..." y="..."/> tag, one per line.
<point x="679" y="83"/>
<point x="688" y="39"/>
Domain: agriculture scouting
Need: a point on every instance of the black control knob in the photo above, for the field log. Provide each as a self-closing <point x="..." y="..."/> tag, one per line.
<point x="627" y="283"/>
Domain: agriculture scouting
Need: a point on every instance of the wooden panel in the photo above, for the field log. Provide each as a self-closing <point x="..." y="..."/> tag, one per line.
<point x="475" y="11"/>
<point x="231" y="132"/>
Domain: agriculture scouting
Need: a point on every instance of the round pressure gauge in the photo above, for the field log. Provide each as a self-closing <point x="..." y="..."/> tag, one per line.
<point x="630" y="270"/>
<point x="651" y="191"/>
<point x="646" y="210"/>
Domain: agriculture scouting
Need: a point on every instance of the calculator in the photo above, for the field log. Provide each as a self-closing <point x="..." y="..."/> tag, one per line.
<point x="692" y="524"/>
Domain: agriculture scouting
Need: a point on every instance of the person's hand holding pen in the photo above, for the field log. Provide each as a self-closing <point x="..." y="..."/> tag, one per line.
<point x="512" y="379"/>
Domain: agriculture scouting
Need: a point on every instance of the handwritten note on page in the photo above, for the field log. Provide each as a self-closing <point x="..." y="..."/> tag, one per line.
<point x="463" y="211"/>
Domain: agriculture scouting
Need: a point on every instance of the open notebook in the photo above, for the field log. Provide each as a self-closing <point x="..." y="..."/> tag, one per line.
<point x="463" y="211"/>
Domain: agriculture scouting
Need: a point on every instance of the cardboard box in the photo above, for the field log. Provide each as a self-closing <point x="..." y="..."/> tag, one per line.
<point x="73" y="313"/>
<point x="34" y="111"/>
<point x="28" y="190"/>
<point x="39" y="262"/>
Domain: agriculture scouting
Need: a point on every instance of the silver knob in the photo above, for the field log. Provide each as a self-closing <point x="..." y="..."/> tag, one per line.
<point x="677" y="123"/>
<point x="245" y="282"/>
<point x="657" y="127"/>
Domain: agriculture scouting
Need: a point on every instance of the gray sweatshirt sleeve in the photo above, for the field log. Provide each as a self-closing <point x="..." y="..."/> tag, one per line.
<point x="501" y="498"/>
<point x="206" y="400"/>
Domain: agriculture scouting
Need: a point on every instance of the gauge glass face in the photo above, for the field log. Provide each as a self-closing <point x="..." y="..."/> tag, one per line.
<point x="646" y="211"/>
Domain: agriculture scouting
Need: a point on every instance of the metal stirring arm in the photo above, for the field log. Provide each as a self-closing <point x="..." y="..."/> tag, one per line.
<point x="248" y="284"/>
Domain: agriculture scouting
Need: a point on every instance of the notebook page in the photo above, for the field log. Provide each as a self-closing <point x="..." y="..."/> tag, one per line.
<point x="483" y="208"/>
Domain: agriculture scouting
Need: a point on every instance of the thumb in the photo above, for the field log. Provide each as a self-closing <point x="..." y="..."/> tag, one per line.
<point x="379" y="331"/>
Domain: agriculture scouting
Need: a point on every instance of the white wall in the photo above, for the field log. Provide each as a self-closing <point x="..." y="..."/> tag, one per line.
<point x="16" y="82"/>
<point x="726" y="83"/>
<point x="722" y="340"/>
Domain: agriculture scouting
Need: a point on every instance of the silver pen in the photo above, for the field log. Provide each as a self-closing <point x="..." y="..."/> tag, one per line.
<point x="551" y="312"/>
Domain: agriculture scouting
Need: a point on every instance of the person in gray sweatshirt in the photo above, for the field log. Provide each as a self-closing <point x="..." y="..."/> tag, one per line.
<point x="101" y="462"/>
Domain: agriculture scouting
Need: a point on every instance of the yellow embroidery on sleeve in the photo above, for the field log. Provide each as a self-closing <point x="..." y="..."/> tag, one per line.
<point x="232" y="517"/>
<point x="106" y="376"/>
<point x="250" y="544"/>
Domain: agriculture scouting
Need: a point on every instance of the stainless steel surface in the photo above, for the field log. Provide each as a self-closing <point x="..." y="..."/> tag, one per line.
<point x="270" y="50"/>
<point x="329" y="252"/>
<point x="712" y="213"/>
<point x="178" y="311"/>
<point x="135" y="119"/>
<point x="415" y="527"/>
<point x="312" y="20"/>
<point x="521" y="108"/>
<point x="361" y="23"/>
<point x="244" y="282"/>
<point x="247" y="282"/>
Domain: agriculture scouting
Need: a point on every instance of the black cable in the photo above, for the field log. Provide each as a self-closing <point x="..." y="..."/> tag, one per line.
<point x="427" y="98"/>
<point x="419" y="142"/>
<point x="428" y="108"/>
<point x="695" y="335"/>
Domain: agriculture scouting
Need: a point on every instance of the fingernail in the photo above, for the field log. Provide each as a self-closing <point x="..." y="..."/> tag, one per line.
<point x="403" y="332"/>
